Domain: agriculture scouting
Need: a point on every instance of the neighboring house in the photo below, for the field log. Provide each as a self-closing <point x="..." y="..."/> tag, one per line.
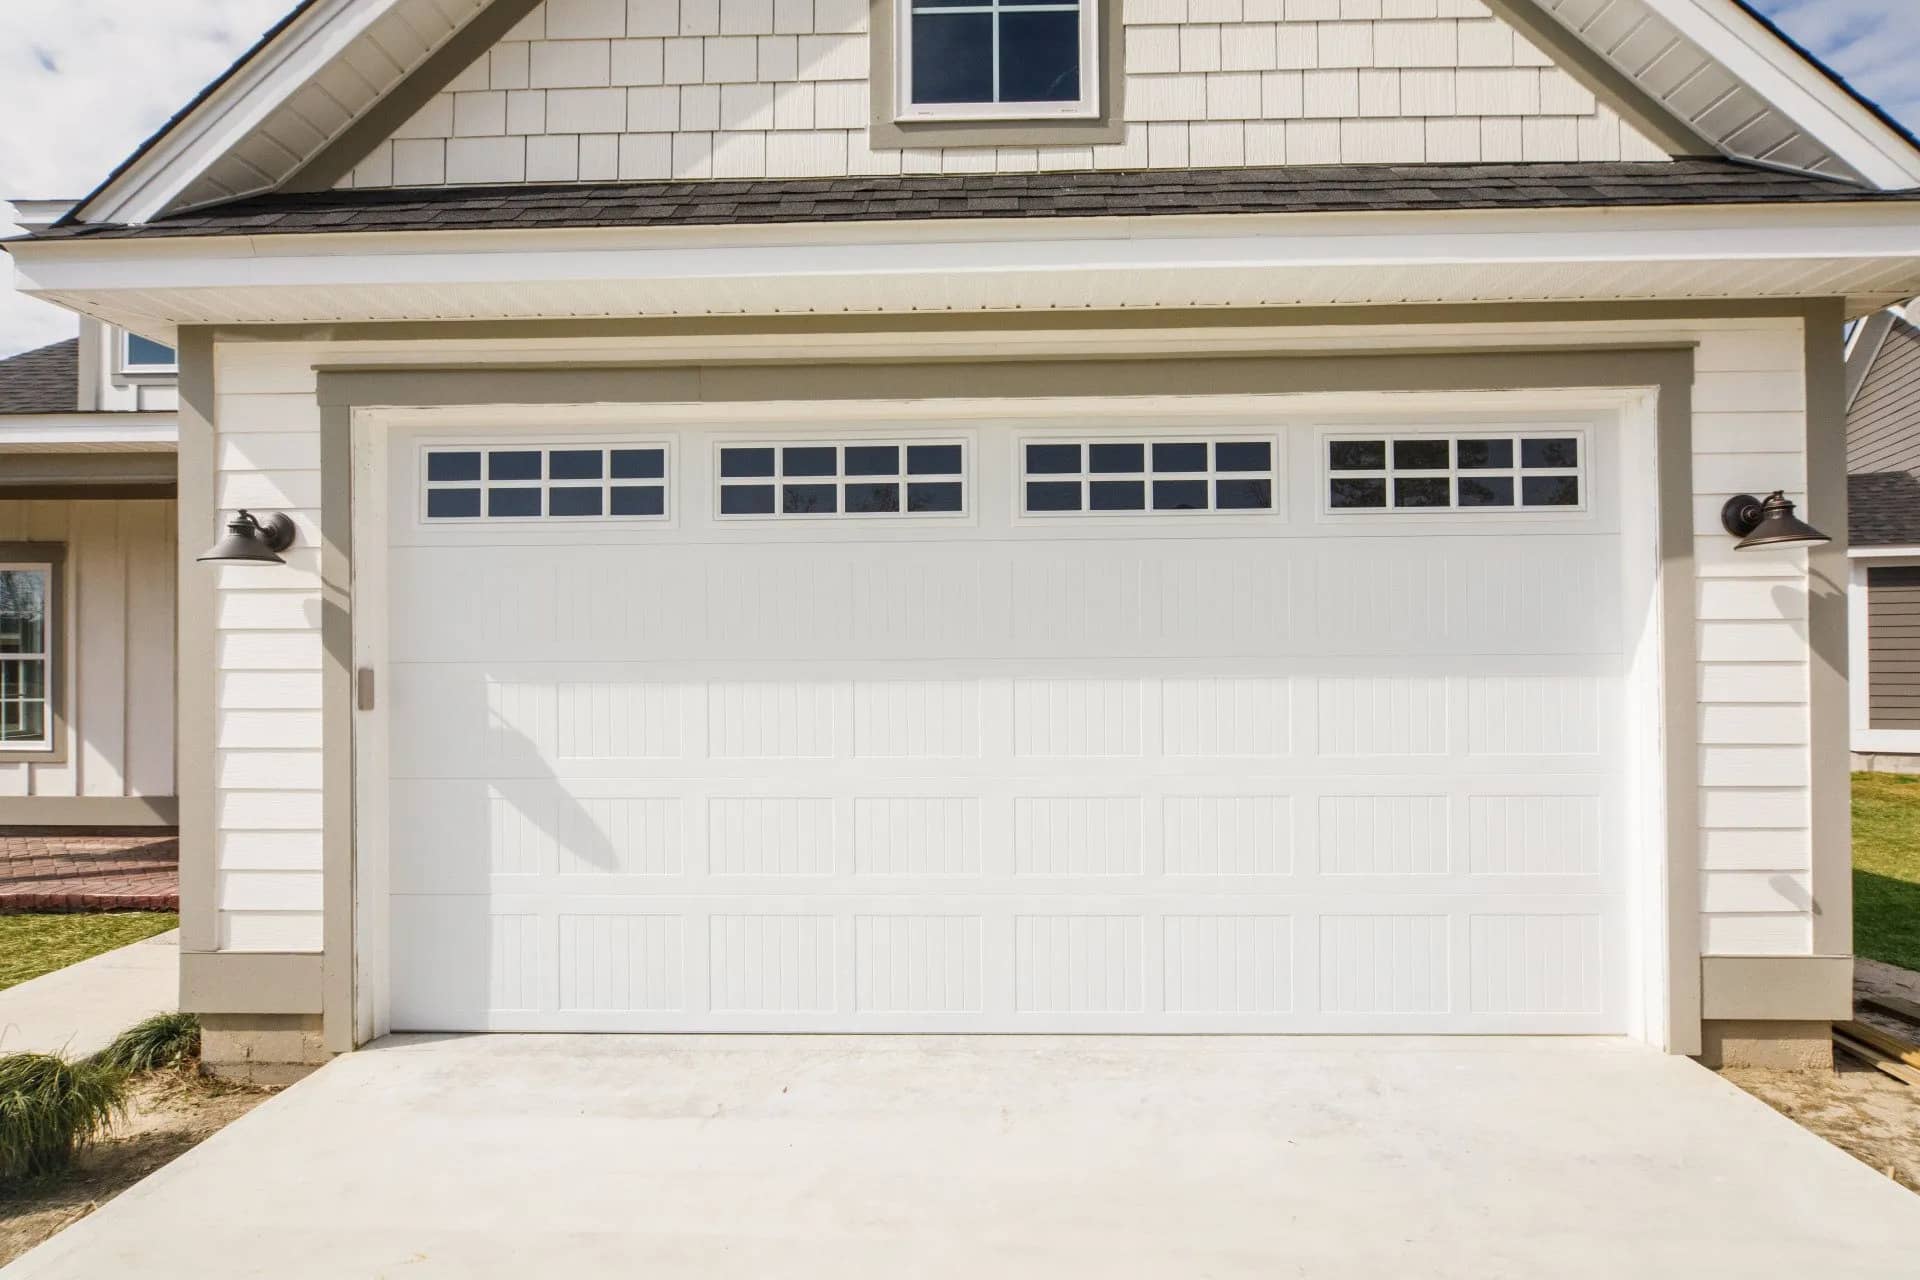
<point x="817" y="516"/>
<point x="87" y="530"/>
<point x="1883" y="495"/>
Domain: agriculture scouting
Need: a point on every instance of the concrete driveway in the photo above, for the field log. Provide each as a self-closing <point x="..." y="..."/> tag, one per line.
<point x="713" y="1157"/>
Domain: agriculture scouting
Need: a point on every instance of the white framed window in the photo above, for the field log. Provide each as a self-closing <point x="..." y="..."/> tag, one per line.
<point x="1481" y="471"/>
<point x="996" y="59"/>
<point x="26" y="657"/>
<point x="143" y="357"/>
<point x="815" y="479"/>
<point x="1144" y="474"/>
<point x="594" y="480"/>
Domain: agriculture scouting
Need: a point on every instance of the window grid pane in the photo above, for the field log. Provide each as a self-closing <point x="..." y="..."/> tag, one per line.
<point x="1482" y="471"/>
<point x="1042" y="61"/>
<point x="813" y="480"/>
<point x="565" y="482"/>
<point x="1148" y="475"/>
<point x="24" y="661"/>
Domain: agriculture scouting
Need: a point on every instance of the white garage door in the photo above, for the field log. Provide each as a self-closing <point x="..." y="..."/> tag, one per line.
<point x="1198" y="726"/>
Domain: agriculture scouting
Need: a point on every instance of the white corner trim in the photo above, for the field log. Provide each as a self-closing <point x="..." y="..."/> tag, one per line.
<point x="1754" y="55"/>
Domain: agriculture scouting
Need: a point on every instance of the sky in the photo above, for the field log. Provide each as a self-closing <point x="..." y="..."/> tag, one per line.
<point x="84" y="82"/>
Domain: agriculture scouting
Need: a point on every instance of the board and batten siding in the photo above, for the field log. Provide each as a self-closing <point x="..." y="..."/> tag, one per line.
<point x="1755" y="847"/>
<point x="114" y="660"/>
<point x="603" y="90"/>
<point x="1893" y="647"/>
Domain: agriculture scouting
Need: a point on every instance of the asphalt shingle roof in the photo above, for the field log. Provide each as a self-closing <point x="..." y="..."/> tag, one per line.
<point x="1883" y="509"/>
<point x="1292" y="189"/>
<point x="46" y="380"/>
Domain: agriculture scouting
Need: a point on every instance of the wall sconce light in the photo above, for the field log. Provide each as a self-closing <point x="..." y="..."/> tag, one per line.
<point x="251" y="541"/>
<point x="1767" y="524"/>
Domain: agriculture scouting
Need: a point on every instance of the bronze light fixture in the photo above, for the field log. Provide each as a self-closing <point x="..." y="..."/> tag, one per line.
<point x="1767" y="524"/>
<point x="252" y="541"/>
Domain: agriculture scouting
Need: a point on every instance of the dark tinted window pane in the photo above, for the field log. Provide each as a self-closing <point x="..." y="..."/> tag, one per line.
<point x="513" y="502"/>
<point x="453" y="504"/>
<point x="933" y="460"/>
<point x="1039" y="57"/>
<point x="514" y="466"/>
<point x="648" y="464"/>
<point x="1053" y="496"/>
<point x="1420" y="455"/>
<point x="1243" y="456"/>
<point x="953" y="57"/>
<point x="1357" y="455"/>
<point x="743" y="499"/>
<point x="145" y="353"/>
<point x="1243" y="495"/>
<point x="1420" y="493"/>
<point x="1117" y="457"/>
<point x="942" y="496"/>
<point x="873" y="459"/>
<point x="1358" y="493"/>
<point x="1549" y="453"/>
<point x="1052" y="459"/>
<point x="808" y="499"/>
<point x="1482" y="455"/>
<point x="1118" y="495"/>
<point x="814" y="461"/>
<point x="1550" y="491"/>
<point x="873" y="497"/>
<point x="573" y="502"/>
<point x="573" y="464"/>
<point x="1179" y="457"/>
<point x="1486" y="491"/>
<point x="649" y="500"/>
<point x="453" y="466"/>
<point x="744" y="462"/>
<point x="1179" y="495"/>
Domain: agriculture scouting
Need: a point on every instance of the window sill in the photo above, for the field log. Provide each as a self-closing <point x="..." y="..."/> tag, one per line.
<point x="1037" y="131"/>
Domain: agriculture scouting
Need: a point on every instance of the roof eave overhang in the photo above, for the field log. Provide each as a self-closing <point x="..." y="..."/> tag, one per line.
<point x="1866" y="253"/>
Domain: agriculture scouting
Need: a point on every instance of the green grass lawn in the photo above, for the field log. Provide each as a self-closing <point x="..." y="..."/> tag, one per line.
<point x="1886" y="868"/>
<point x="31" y="945"/>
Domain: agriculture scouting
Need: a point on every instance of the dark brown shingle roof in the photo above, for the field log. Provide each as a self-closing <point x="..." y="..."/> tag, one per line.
<point x="1883" y="444"/>
<point x="43" y="381"/>
<point x="1293" y="189"/>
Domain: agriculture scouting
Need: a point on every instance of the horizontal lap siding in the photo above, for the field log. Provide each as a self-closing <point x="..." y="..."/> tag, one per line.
<point x="114" y="664"/>
<point x="1755" y="804"/>
<point x="1893" y="648"/>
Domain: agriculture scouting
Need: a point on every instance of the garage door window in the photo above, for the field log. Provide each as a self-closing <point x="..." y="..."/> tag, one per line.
<point x="1118" y="476"/>
<point x="560" y="482"/>
<point x="822" y="478"/>
<point x="1479" y="471"/>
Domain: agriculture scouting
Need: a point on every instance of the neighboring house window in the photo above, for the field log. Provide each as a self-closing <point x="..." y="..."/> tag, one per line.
<point x="859" y="478"/>
<point x="143" y="356"/>
<point x="996" y="59"/>
<point x="1119" y="476"/>
<point x="26" y="658"/>
<point x="625" y="481"/>
<point x="1480" y="471"/>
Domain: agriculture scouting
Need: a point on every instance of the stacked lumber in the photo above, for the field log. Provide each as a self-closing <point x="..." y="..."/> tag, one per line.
<point x="1882" y="1050"/>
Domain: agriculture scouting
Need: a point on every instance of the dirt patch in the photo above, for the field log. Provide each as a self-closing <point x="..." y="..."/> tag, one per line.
<point x="168" y="1114"/>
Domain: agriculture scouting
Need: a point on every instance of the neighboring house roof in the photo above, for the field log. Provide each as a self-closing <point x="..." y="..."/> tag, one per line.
<point x="46" y="380"/>
<point x="1883" y="436"/>
<point x="1292" y="189"/>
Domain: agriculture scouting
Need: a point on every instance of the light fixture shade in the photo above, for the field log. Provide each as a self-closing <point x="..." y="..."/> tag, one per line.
<point x="1767" y="524"/>
<point x="249" y="541"/>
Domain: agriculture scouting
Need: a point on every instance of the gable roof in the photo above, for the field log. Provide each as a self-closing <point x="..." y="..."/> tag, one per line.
<point x="46" y="380"/>
<point x="1883" y="434"/>
<point x="313" y="83"/>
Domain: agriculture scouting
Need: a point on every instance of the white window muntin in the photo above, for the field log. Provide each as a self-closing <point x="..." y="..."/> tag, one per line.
<point x="1515" y="473"/>
<point x="1086" y="477"/>
<point x="1086" y="106"/>
<point x="839" y="479"/>
<point x="607" y="483"/>
<point x="26" y="657"/>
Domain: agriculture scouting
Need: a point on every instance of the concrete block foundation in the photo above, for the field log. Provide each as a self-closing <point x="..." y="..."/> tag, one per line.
<point x="1773" y="1046"/>
<point x="266" y="1049"/>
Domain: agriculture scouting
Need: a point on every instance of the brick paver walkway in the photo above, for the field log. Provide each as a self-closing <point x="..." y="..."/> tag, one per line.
<point x="56" y="871"/>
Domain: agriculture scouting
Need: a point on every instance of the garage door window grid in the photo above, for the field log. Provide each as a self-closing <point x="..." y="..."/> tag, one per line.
<point x="624" y="481"/>
<point x="815" y="479"/>
<point x="1476" y="471"/>
<point x="1119" y="476"/>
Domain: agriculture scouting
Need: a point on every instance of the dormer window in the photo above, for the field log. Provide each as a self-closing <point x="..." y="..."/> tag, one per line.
<point x="996" y="60"/>
<point x="143" y="357"/>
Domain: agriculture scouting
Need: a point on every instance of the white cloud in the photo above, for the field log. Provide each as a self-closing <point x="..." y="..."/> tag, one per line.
<point x="84" y="82"/>
<point x="1873" y="44"/>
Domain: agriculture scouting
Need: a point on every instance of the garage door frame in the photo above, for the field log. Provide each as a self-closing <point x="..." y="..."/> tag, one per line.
<point x="1647" y="387"/>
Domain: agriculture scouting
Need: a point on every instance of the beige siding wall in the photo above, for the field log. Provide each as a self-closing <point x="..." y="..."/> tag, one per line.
<point x="1754" y="850"/>
<point x="114" y="663"/>
<point x="596" y="90"/>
